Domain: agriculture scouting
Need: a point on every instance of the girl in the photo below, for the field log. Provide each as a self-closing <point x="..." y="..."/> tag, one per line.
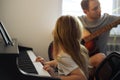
<point x="70" y="57"/>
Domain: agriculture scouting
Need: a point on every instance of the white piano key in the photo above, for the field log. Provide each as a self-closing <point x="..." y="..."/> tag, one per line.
<point x="38" y="65"/>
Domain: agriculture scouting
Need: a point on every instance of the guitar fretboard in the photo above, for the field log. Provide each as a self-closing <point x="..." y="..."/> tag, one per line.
<point x="101" y="30"/>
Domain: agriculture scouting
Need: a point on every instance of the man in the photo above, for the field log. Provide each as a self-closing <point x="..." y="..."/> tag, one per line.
<point x="93" y="22"/>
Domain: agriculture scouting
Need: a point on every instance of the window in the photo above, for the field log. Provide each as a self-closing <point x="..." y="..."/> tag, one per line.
<point x="73" y="7"/>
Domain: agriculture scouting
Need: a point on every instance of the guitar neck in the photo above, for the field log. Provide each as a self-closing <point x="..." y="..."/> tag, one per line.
<point x="101" y="30"/>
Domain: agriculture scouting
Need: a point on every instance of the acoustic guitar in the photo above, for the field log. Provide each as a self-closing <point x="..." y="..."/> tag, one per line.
<point x="88" y="38"/>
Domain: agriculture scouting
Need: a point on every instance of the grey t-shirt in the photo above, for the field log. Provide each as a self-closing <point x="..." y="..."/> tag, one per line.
<point x="105" y="19"/>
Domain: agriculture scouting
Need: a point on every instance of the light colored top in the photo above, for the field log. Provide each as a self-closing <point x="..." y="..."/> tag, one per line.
<point x="66" y="64"/>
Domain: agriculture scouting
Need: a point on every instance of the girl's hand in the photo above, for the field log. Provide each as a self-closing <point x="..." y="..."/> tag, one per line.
<point x="47" y="65"/>
<point x="49" y="69"/>
<point x="52" y="63"/>
<point x="40" y="59"/>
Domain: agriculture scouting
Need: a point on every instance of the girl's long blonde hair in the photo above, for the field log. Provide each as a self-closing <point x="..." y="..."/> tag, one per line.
<point x="67" y="35"/>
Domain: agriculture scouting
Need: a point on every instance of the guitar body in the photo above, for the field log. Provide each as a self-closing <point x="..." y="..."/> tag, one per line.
<point x="90" y="45"/>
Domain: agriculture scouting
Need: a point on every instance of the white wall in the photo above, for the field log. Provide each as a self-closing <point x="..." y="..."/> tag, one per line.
<point x="31" y="22"/>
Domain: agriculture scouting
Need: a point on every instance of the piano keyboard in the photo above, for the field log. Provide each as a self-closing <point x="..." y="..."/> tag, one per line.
<point x="27" y="63"/>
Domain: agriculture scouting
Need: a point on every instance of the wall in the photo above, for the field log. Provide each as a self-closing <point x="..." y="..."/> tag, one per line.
<point x="31" y="22"/>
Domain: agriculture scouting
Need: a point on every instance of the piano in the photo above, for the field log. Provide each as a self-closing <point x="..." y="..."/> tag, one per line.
<point x="17" y="63"/>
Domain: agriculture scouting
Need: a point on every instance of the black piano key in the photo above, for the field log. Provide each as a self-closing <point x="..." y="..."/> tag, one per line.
<point x="25" y="63"/>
